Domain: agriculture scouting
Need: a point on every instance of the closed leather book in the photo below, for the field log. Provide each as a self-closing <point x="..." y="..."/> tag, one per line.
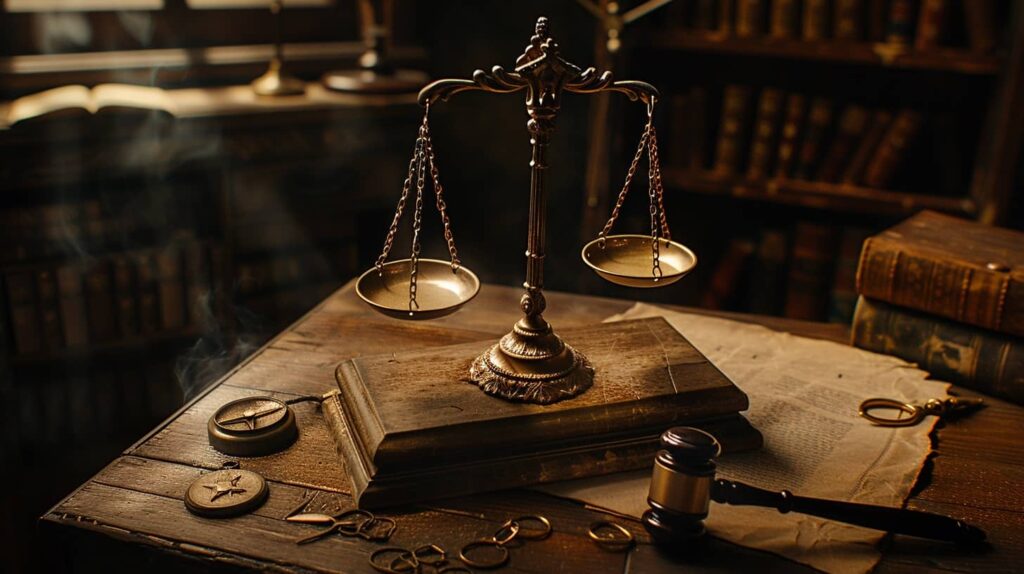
<point x="73" y="317"/>
<point x="766" y="131"/>
<point x="878" y="126"/>
<point x="900" y="26"/>
<point x="979" y="19"/>
<point x="735" y="109"/>
<point x="848" y="20"/>
<point x="877" y="18"/>
<point x="23" y="313"/>
<point x="950" y="267"/>
<point x="784" y="19"/>
<point x="810" y="271"/>
<point x="789" y="137"/>
<point x="931" y="20"/>
<point x="750" y="18"/>
<point x="976" y="358"/>
<point x="725" y="13"/>
<point x="722" y="290"/>
<point x="818" y="121"/>
<point x="892" y="149"/>
<point x="49" y="310"/>
<point x="852" y="123"/>
<point x="816" y="20"/>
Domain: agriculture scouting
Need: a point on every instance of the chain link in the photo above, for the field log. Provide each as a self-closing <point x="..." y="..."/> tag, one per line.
<point x="656" y="193"/>
<point x="417" y="219"/>
<point x="442" y="207"/>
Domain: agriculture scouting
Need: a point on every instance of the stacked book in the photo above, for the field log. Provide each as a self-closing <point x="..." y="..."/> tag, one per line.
<point x="947" y="294"/>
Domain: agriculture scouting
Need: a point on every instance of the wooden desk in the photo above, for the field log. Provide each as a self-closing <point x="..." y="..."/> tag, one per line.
<point x="131" y="513"/>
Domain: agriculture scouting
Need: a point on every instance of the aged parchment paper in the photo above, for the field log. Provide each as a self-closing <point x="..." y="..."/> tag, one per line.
<point x="804" y="395"/>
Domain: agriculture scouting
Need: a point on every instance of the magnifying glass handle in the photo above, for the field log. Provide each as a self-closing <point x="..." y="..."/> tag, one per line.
<point x="896" y="520"/>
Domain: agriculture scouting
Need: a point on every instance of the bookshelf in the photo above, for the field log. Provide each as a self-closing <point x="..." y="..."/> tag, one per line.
<point x="802" y="127"/>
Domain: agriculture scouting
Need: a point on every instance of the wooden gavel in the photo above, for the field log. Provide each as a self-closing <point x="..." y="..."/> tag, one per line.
<point x="683" y="485"/>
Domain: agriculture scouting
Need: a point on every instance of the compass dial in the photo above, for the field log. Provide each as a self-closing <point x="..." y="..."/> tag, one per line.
<point x="251" y="414"/>
<point x="253" y="426"/>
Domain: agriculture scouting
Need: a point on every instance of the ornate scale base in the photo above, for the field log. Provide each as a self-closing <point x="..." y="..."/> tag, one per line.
<point x="532" y="365"/>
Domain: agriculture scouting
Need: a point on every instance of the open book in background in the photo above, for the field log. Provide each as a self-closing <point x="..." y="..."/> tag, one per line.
<point x="91" y="100"/>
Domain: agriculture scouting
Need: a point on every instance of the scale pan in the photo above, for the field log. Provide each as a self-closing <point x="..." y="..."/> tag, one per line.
<point x="627" y="260"/>
<point x="439" y="290"/>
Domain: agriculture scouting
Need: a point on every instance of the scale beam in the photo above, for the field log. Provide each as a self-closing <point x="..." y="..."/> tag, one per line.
<point x="531" y="363"/>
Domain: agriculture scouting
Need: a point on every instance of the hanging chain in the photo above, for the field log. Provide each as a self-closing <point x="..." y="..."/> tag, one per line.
<point x="417" y="216"/>
<point x="656" y="166"/>
<point x="442" y="207"/>
<point x="625" y="186"/>
<point x="393" y="229"/>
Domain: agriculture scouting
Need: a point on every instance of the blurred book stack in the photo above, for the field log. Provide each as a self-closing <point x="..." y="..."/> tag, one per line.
<point x="947" y="294"/>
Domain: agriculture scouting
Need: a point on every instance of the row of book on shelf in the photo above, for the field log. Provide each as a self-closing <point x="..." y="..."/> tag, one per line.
<point x="923" y="24"/>
<point x="119" y="297"/>
<point x="807" y="274"/>
<point x="947" y="294"/>
<point x="792" y="136"/>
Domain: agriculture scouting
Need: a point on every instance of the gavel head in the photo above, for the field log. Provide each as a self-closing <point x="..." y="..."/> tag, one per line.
<point x="684" y="470"/>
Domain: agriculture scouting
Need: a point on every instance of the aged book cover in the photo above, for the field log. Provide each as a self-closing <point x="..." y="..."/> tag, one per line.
<point x="766" y="130"/>
<point x="977" y="358"/>
<point x="410" y="426"/>
<point x="750" y="18"/>
<point x="791" y="127"/>
<point x="785" y="18"/>
<point x="962" y="270"/>
<point x="810" y="270"/>
<point x="816" y="20"/>
<point x="892" y="149"/>
<point x="930" y="23"/>
<point x="819" y="120"/>
<point x="878" y="125"/>
<point x="848" y="18"/>
<point x="852" y="123"/>
<point x="735" y="113"/>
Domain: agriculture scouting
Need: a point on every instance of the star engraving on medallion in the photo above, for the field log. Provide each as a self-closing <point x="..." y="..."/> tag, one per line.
<point x="225" y="487"/>
<point x="250" y="416"/>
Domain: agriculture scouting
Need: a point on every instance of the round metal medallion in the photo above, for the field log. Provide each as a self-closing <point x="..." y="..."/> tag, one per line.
<point x="252" y="426"/>
<point x="225" y="493"/>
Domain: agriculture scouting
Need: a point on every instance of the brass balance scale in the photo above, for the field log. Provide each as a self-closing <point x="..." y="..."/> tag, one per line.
<point x="665" y="381"/>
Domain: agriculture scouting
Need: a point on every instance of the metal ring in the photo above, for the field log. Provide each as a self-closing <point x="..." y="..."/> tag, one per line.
<point x="371" y="533"/>
<point x="507" y="533"/>
<point x="532" y="534"/>
<point x="412" y="564"/>
<point x="427" y="550"/>
<point x="915" y="413"/>
<point x="484" y="565"/>
<point x="380" y="551"/>
<point x="611" y="542"/>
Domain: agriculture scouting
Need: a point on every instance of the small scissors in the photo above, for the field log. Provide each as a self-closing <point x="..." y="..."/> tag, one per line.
<point x="349" y="523"/>
<point x="915" y="413"/>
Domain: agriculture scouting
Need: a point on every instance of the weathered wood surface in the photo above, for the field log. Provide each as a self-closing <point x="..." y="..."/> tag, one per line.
<point x="131" y="514"/>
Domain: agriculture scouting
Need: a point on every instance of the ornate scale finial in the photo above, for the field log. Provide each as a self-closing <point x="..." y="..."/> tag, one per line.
<point x="541" y="30"/>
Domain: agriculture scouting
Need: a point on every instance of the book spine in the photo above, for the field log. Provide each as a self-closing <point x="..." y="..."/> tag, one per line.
<point x="791" y="128"/>
<point x="767" y="278"/>
<point x="124" y="297"/>
<point x="73" y="316"/>
<point x="697" y="119"/>
<point x="170" y="288"/>
<point x="848" y="20"/>
<point x="879" y="125"/>
<point x="965" y="355"/>
<point x="844" y="283"/>
<point x="979" y="17"/>
<point x="818" y="121"/>
<point x="705" y="15"/>
<point x="992" y="298"/>
<point x="735" y="108"/>
<point x="197" y="282"/>
<point x="726" y="278"/>
<point x="930" y="23"/>
<point x="49" y="310"/>
<point x="749" y="18"/>
<point x="901" y="22"/>
<point x="810" y="271"/>
<point x="852" y="123"/>
<point x="148" y="300"/>
<point x="766" y="129"/>
<point x="889" y="155"/>
<point x="725" y="12"/>
<point x="785" y="16"/>
<point x="877" y="18"/>
<point x="23" y="312"/>
<point x="99" y="299"/>
<point x="815" y="22"/>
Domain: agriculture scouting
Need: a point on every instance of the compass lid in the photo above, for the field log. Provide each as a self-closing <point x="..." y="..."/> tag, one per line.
<point x="252" y="426"/>
<point x="226" y="493"/>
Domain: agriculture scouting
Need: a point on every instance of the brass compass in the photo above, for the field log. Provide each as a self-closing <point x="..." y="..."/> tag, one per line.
<point x="227" y="492"/>
<point x="253" y="426"/>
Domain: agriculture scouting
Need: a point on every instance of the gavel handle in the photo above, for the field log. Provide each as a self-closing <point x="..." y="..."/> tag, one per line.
<point x="897" y="520"/>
